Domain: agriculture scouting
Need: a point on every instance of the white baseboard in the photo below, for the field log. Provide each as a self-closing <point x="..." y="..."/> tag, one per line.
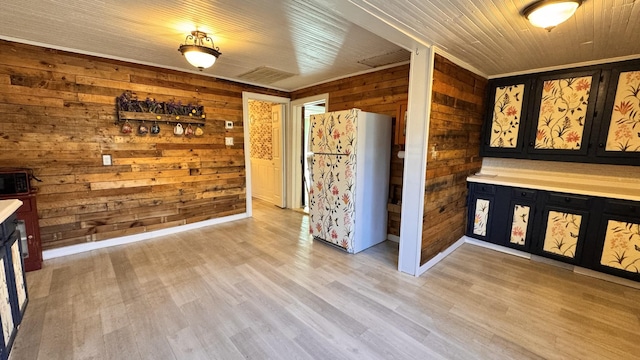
<point x="606" y="277"/>
<point x="394" y="238"/>
<point x="502" y="249"/>
<point x="436" y="259"/>
<point x="575" y="269"/>
<point x="79" y="248"/>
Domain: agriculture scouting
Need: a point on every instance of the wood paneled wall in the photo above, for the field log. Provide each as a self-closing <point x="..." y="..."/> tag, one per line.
<point x="378" y="92"/>
<point x="58" y="116"/>
<point x="454" y="145"/>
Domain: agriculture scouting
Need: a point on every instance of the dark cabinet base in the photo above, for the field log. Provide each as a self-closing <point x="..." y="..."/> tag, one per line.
<point x="596" y="233"/>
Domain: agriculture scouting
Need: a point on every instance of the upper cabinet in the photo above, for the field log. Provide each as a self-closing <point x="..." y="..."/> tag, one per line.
<point x="589" y="114"/>
<point x="619" y="135"/>
<point x="563" y="113"/>
<point x="506" y="116"/>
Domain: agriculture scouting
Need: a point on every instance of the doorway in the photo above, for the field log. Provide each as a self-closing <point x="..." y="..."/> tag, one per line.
<point x="301" y="111"/>
<point x="265" y="120"/>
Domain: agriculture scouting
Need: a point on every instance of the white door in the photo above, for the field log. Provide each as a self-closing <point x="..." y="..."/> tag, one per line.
<point x="277" y="137"/>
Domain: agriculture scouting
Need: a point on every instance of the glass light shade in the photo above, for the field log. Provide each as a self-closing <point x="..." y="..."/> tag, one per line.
<point x="201" y="60"/>
<point x="199" y="56"/>
<point x="548" y="14"/>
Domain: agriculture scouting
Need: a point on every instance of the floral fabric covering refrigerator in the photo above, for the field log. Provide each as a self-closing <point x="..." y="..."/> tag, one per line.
<point x="349" y="178"/>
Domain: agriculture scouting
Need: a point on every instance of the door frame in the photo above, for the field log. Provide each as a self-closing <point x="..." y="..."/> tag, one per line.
<point x="294" y="168"/>
<point x="246" y="96"/>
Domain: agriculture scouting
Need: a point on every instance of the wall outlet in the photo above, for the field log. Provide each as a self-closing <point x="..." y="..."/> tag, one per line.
<point x="228" y="141"/>
<point x="228" y="124"/>
<point x="106" y="160"/>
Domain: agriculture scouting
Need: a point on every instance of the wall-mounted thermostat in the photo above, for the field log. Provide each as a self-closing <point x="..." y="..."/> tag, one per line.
<point x="228" y="124"/>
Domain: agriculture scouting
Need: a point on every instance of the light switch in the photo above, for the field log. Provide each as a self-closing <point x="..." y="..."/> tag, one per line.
<point x="228" y="124"/>
<point x="106" y="160"/>
<point x="228" y="141"/>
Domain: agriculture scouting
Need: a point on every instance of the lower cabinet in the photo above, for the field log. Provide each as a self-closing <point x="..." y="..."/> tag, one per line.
<point x="617" y="247"/>
<point x="13" y="289"/>
<point x="592" y="232"/>
<point x="521" y="217"/>
<point x="481" y="211"/>
<point x="564" y="227"/>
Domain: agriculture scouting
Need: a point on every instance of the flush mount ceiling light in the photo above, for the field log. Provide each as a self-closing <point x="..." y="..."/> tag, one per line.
<point x="547" y="14"/>
<point x="197" y="52"/>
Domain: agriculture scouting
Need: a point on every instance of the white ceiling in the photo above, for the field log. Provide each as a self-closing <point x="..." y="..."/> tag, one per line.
<point x="312" y="38"/>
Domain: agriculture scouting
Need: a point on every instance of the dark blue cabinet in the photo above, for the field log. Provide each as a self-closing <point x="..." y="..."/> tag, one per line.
<point x="13" y="289"/>
<point x="587" y="114"/>
<point x="598" y="233"/>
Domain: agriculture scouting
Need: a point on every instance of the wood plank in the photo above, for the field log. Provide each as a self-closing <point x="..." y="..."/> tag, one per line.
<point x="456" y="118"/>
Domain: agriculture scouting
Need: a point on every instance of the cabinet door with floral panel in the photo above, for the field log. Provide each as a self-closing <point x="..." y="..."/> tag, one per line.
<point x="620" y="132"/>
<point x="563" y="234"/>
<point x="563" y="113"/>
<point x="480" y="216"/>
<point x="621" y="247"/>
<point x="618" y="242"/>
<point x="6" y="311"/>
<point x="520" y="225"/>
<point x="506" y="116"/>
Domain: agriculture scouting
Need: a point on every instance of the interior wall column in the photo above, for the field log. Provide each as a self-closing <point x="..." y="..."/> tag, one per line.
<point x="415" y="160"/>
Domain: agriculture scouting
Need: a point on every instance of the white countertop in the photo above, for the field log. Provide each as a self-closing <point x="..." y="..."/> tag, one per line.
<point x="571" y="187"/>
<point x="8" y="207"/>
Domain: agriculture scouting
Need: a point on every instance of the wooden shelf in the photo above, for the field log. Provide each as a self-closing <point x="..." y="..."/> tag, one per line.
<point x="142" y="116"/>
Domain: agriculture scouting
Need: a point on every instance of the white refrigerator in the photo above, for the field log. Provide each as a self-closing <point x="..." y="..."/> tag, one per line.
<point x="351" y="151"/>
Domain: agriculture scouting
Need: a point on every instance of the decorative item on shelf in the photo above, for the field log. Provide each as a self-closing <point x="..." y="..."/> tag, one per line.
<point x="199" y="131"/>
<point x="155" y="128"/>
<point x="178" y="130"/>
<point x="130" y="108"/>
<point x="143" y="129"/>
<point x="126" y="127"/>
<point x="196" y="51"/>
<point x="547" y="14"/>
<point x="188" y="131"/>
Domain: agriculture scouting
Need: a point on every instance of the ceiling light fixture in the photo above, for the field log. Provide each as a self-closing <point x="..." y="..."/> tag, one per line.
<point x="547" y="14"/>
<point x="197" y="53"/>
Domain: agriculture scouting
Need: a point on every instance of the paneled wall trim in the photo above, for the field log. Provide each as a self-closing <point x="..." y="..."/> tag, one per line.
<point x="58" y="117"/>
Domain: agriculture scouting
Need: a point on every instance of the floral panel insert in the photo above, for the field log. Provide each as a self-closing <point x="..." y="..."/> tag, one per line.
<point x="332" y="210"/>
<point x="519" y="224"/>
<point x="481" y="217"/>
<point x="561" y="237"/>
<point x="21" y="288"/>
<point x="562" y="113"/>
<point x="334" y="133"/>
<point x="624" y="129"/>
<point x="5" y="305"/>
<point x="621" y="248"/>
<point x="507" y="113"/>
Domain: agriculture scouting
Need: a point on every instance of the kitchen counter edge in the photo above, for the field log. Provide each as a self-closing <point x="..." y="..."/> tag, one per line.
<point x="580" y="189"/>
<point x="8" y="207"/>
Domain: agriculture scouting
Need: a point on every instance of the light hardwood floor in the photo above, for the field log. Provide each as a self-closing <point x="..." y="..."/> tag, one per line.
<point x="259" y="289"/>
